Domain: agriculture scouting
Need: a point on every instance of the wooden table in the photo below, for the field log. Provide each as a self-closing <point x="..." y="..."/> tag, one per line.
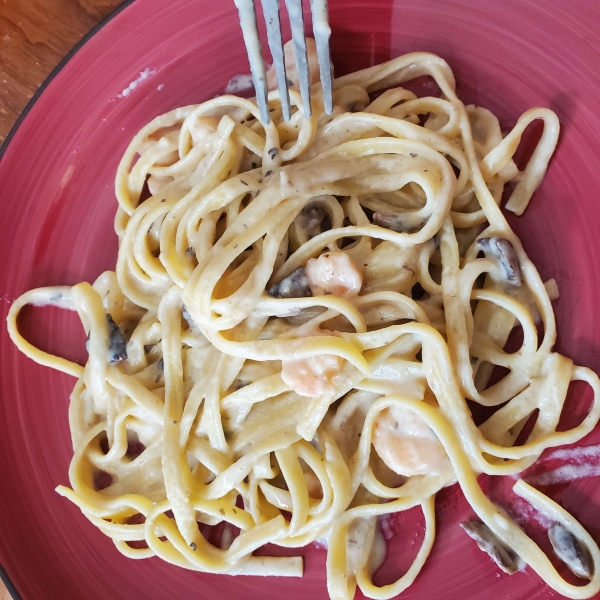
<point x="34" y="36"/>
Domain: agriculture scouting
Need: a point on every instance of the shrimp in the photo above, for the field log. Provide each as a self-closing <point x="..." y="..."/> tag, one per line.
<point x="406" y="444"/>
<point x="314" y="376"/>
<point x="290" y="66"/>
<point x="334" y="273"/>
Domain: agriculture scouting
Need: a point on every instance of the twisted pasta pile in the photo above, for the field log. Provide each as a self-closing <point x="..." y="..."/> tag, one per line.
<point x="298" y="314"/>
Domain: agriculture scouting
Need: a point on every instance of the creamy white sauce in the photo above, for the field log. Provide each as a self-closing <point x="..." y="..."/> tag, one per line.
<point x="565" y="474"/>
<point x="239" y="83"/>
<point x="323" y="541"/>
<point x="145" y="74"/>
<point x="576" y="454"/>
<point x="583" y="462"/>
<point x="58" y="296"/>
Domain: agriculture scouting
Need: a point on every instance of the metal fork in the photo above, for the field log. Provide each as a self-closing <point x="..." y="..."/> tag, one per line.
<point x="322" y="32"/>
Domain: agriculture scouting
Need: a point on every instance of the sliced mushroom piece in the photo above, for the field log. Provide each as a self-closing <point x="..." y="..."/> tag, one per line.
<point x="508" y="560"/>
<point x="505" y="253"/>
<point x="402" y="223"/>
<point x="295" y="285"/>
<point x="571" y="551"/>
<point x="117" y="344"/>
<point x="311" y="218"/>
<point x="393" y="222"/>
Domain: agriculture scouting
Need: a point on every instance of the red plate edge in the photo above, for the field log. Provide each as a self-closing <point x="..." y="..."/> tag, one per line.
<point x="12" y="590"/>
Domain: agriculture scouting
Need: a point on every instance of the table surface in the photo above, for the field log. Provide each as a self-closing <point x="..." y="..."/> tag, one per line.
<point x="34" y="36"/>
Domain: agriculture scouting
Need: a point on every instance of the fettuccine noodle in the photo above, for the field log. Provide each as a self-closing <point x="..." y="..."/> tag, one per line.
<point x="297" y="317"/>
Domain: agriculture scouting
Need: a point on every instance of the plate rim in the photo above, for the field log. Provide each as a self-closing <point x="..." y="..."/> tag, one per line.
<point x="14" y="133"/>
<point x="6" y="580"/>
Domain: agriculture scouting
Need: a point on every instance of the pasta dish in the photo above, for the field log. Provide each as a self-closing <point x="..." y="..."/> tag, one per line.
<point x="298" y="315"/>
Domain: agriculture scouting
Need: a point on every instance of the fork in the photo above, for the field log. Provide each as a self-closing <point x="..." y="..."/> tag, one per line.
<point x="322" y="32"/>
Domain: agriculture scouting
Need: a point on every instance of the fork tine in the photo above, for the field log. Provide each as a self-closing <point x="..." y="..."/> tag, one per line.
<point x="322" y="33"/>
<point x="253" y="48"/>
<point x="294" y="8"/>
<point x="271" y="11"/>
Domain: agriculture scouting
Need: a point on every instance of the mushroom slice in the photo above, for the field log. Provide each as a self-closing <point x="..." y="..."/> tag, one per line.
<point x="117" y="344"/>
<point x="394" y="222"/>
<point x="508" y="560"/>
<point x="505" y="253"/>
<point x="571" y="551"/>
<point x="310" y="218"/>
<point x="295" y="285"/>
<point x="400" y="223"/>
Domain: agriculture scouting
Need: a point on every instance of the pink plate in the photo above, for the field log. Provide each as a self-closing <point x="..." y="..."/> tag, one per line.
<point x="56" y="181"/>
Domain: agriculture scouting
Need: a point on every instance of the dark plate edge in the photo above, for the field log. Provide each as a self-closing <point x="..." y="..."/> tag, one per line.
<point x="12" y="590"/>
<point x="47" y="82"/>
